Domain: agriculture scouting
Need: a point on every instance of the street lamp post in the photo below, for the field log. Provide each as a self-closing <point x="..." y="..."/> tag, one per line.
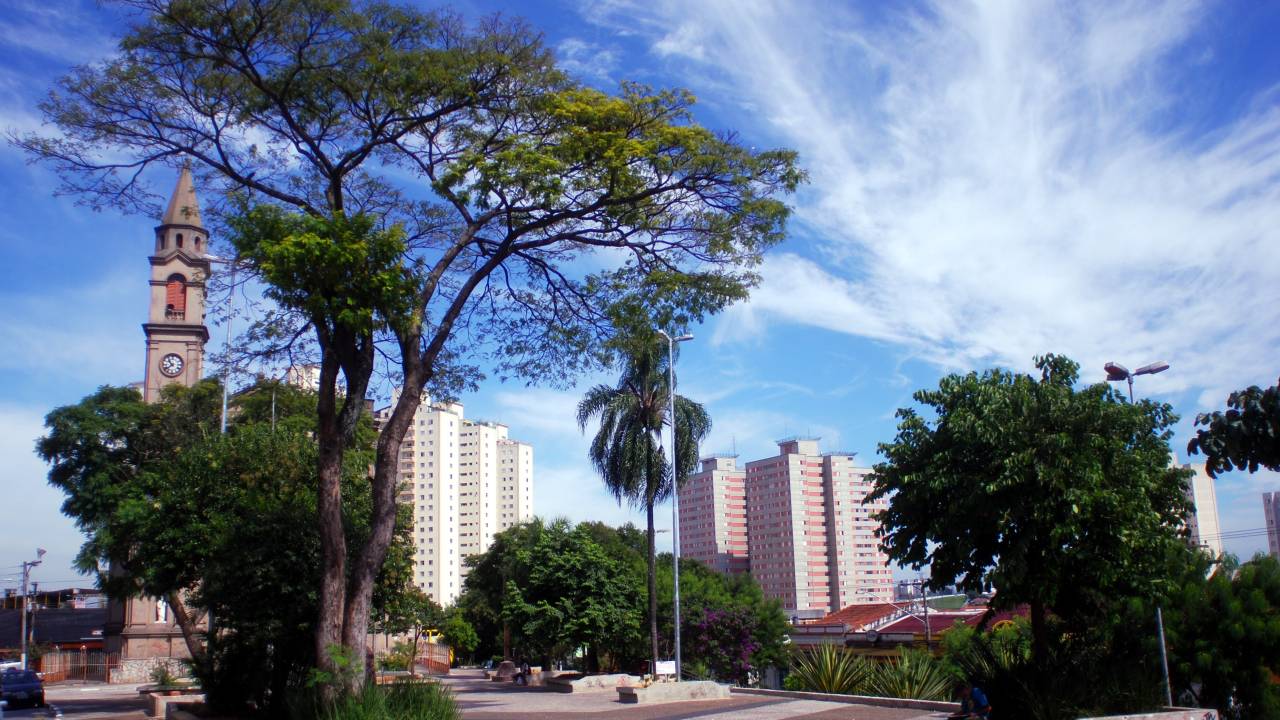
<point x="226" y="372"/>
<point x="26" y="601"/>
<point x="675" y="489"/>
<point x="1115" y="373"/>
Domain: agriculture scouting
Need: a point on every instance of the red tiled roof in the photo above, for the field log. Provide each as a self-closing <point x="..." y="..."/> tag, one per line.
<point x="856" y="616"/>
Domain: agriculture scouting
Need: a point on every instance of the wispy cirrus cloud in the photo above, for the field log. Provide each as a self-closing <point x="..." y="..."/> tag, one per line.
<point x="995" y="181"/>
<point x="587" y="60"/>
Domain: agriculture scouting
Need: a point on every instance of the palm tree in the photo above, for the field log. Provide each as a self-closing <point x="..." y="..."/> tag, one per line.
<point x="627" y="449"/>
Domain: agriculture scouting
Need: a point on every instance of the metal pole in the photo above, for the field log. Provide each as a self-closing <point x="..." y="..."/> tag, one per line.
<point x="928" y="635"/>
<point x="675" y="496"/>
<point x="26" y="606"/>
<point x="1164" y="660"/>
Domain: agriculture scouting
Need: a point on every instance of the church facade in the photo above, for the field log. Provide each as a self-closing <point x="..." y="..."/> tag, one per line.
<point x="143" y="630"/>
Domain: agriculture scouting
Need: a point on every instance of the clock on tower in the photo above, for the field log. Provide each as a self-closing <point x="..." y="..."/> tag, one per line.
<point x="175" y="328"/>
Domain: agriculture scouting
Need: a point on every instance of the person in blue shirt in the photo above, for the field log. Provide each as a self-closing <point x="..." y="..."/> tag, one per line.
<point x="973" y="702"/>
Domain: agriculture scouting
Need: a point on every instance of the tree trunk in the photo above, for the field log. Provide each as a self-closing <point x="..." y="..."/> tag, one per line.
<point x="1039" y="634"/>
<point x="333" y="540"/>
<point x="653" y="589"/>
<point x="188" y="627"/>
<point x="364" y="573"/>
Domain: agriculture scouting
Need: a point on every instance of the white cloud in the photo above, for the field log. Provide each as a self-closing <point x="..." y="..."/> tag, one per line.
<point x="55" y="31"/>
<point x="992" y="182"/>
<point x="587" y="60"/>
<point x="552" y="412"/>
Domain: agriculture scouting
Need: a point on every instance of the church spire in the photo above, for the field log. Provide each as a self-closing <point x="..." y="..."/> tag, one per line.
<point x="184" y="208"/>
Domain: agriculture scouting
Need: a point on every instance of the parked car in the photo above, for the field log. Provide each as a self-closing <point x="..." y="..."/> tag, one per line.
<point x="21" y="687"/>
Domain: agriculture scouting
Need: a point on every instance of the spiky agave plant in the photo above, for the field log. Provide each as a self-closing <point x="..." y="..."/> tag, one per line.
<point x="830" y="669"/>
<point x="914" y="674"/>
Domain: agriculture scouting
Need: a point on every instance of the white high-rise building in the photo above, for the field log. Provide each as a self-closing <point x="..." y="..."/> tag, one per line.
<point x="1271" y="508"/>
<point x="453" y="472"/>
<point x="1203" y="522"/>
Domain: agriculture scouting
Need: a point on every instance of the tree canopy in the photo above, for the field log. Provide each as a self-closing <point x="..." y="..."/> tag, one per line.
<point x="311" y="114"/>
<point x="587" y="603"/>
<point x="1244" y="437"/>
<point x="215" y="524"/>
<point x="1060" y="497"/>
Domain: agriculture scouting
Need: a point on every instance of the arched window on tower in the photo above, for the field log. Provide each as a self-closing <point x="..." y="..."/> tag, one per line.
<point x="179" y="241"/>
<point x="164" y="241"/>
<point x="175" y="298"/>
<point x="196" y="239"/>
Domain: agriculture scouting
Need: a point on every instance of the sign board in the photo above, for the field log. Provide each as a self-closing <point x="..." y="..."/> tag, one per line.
<point x="665" y="667"/>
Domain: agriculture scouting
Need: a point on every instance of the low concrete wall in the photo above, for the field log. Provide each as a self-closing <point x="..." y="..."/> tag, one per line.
<point x="935" y="705"/>
<point x="1173" y="713"/>
<point x="134" y="671"/>
<point x="673" y="692"/>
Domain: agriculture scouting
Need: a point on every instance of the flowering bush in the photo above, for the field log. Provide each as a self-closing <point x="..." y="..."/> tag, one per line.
<point x="724" y="641"/>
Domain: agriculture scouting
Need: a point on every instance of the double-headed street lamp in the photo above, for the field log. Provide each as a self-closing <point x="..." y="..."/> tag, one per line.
<point x="1115" y="373"/>
<point x="675" y="487"/>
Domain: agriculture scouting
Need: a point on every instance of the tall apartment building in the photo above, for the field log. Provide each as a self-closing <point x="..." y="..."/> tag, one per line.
<point x="1203" y="521"/>
<point x="1271" y="508"/>
<point x="811" y="541"/>
<point x="495" y="491"/>
<point x="458" y="474"/>
<point x="713" y="515"/>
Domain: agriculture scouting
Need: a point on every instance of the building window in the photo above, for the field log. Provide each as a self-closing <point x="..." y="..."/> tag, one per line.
<point x="175" y="297"/>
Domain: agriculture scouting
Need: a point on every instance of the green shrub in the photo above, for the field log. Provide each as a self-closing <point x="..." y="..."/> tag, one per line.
<point x="915" y="674"/>
<point x="400" y="658"/>
<point x="829" y="669"/>
<point x="161" y="676"/>
<point x="399" y="701"/>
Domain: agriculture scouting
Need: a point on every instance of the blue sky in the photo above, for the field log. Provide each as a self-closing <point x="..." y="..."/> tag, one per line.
<point x="989" y="182"/>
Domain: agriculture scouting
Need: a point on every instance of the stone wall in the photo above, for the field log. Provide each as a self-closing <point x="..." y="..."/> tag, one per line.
<point x="135" y="671"/>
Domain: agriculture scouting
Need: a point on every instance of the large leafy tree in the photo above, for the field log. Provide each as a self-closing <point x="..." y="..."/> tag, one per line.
<point x="109" y="454"/>
<point x="1244" y="437"/>
<point x="627" y="449"/>
<point x="552" y="588"/>
<point x="312" y="106"/>
<point x="574" y="595"/>
<point x="1223" y="632"/>
<point x="219" y="525"/>
<point x="1061" y="497"/>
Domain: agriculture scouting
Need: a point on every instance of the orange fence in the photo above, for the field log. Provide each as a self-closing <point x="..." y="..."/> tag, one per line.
<point x="64" y="665"/>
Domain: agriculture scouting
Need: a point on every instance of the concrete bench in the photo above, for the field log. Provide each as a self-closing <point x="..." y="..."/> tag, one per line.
<point x="162" y="706"/>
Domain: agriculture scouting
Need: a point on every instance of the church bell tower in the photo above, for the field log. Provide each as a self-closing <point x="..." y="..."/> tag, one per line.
<point x="175" y="328"/>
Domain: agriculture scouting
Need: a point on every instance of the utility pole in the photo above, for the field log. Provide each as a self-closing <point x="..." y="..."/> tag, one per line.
<point x="924" y="599"/>
<point x="26" y="601"/>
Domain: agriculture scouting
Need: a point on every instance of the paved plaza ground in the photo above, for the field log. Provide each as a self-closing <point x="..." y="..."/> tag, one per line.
<point x="481" y="699"/>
